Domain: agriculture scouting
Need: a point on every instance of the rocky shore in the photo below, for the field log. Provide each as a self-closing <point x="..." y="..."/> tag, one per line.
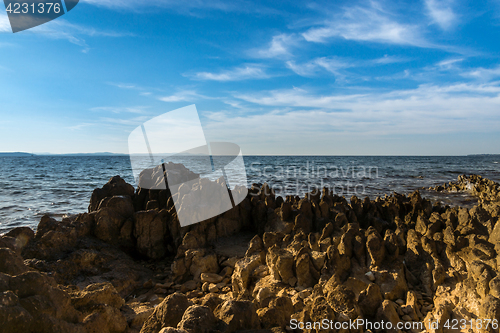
<point x="128" y="266"/>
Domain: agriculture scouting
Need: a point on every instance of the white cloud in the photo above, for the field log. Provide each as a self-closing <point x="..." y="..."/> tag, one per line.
<point x="370" y="24"/>
<point x="246" y="72"/>
<point x="484" y="74"/>
<point x="330" y="64"/>
<point x="126" y="86"/>
<point x="337" y="65"/>
<point x="428" y="109"/>
<point x="114" y="109"/>
<point x="279" y="46"/>
<point x="62" y="29"/>
<point x="186" y="95"/>
<point x="441" y="13"/>
<point x="126" y="122"/>
<point x="4" y="23"/>
<point x="387" y="59"/>
<point x="181" y="6"/>
<point x="449" y="63"/>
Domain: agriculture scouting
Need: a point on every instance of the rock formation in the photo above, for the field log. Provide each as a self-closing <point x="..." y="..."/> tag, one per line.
<point x="266" y="265"/>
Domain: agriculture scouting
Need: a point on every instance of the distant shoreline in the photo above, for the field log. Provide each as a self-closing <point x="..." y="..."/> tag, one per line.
<point x="19" y="154"/>
<point x="24" y="154"/>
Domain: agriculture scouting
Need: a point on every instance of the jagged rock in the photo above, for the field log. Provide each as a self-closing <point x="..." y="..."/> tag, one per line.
<point x="35" y="303"/>
<point x="490" y="308"/>
<point x="197" y="319"/>
<point x="277" y="314"/>
<point x="412" y="307"/>
<point x="115" y="186"/>
<point x="137" y="313"/>
<point x="370" y="300"/>
<point x="150" y="230"/>
<point x="392" y="283"/>
<point x="106" y="319"/>
<point x="255" y="246"/>
<point x="302" y="268"/>
<point x="172" y="330"/>
<point x="243" y="270"/>
<point x="55" y="239"/>
<point x="112" y="216"/>
<point x="264" y="296"/>
<point x="391" y="243"/>
<point x="441" y="314"/>
<point x="318" y="259"/>
<point x="494" y="286"/>
<point x="342" y="300"/>
<point x="21" y="237"/>
<point x="302" y="222"/>
<point x="13" y="317"/>
<point x="388" y="313"/>
<point x="237" y="315"/>
<point x="280" y="263"/>
<point x="99" y="293"/>
<point x="375" y="247"/>
<point x="409" y="244"/>
<point x="211" y="278"/>
<point x="203" y="264"/>
<point x="167" y="314"/>
<point x="11" y="263"/>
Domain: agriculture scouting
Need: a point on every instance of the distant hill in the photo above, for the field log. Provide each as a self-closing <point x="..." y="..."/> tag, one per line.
<point x="15" y="154"/>
<point x="88" y="154"/>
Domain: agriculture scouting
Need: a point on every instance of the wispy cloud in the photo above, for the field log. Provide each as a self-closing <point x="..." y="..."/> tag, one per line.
<point x="143" y="91"/>
<point x="114" y="109"/>
<point x="126" y="122"/>
<point x="4" y="23"/>
<point x="484" y="74"/>
<point x="428" y="109"/>
<point x="246" y="72"/>
<point x="387" y="59"/>
<point x="330" y="64"/>
<point x="426" y="98"/>
<point x="80" y="126"/>
<point x="181" y="96"/>
<point x="279" y="46"/>
<point x="441" y="13"/>
<point x="449" y="63"/>
<point x="122" y="85"/>
<point x="337" y="65"/>
<point x="181" y="6"/>
<point x="62" y="29"/>
<point x="370" y="24"/>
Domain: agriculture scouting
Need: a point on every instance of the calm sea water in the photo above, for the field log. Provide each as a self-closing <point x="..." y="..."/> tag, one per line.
<point x="61" y="185"/>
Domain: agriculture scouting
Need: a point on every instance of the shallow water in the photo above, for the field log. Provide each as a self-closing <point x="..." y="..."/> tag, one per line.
<point x="33" y="186"/>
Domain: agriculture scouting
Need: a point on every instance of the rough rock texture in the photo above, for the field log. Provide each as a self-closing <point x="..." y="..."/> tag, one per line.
<point x="128" y="266"/>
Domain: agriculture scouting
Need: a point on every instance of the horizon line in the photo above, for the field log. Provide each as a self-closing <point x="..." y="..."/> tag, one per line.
<point x="263" y="155"/>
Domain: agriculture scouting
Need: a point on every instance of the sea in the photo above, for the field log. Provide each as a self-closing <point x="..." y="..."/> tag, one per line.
<point x="31" y="186"/>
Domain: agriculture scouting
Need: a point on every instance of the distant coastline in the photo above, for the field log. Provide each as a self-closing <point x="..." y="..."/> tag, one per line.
<point x="16" y="154"/>
<point x="483" y="155"/>
<point x="19" y="154"/>
<point x="24" y="154"/>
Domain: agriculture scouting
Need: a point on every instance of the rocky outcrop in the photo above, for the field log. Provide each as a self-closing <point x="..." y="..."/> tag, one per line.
<point x="128" y="266"/>
<point x="485" y="189"/>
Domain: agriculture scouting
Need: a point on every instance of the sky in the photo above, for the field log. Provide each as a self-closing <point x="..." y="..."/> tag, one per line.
<point x="276" y="78"/>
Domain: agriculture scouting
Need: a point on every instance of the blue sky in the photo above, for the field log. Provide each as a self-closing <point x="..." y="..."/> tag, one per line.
<point x="343" y="78"/>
